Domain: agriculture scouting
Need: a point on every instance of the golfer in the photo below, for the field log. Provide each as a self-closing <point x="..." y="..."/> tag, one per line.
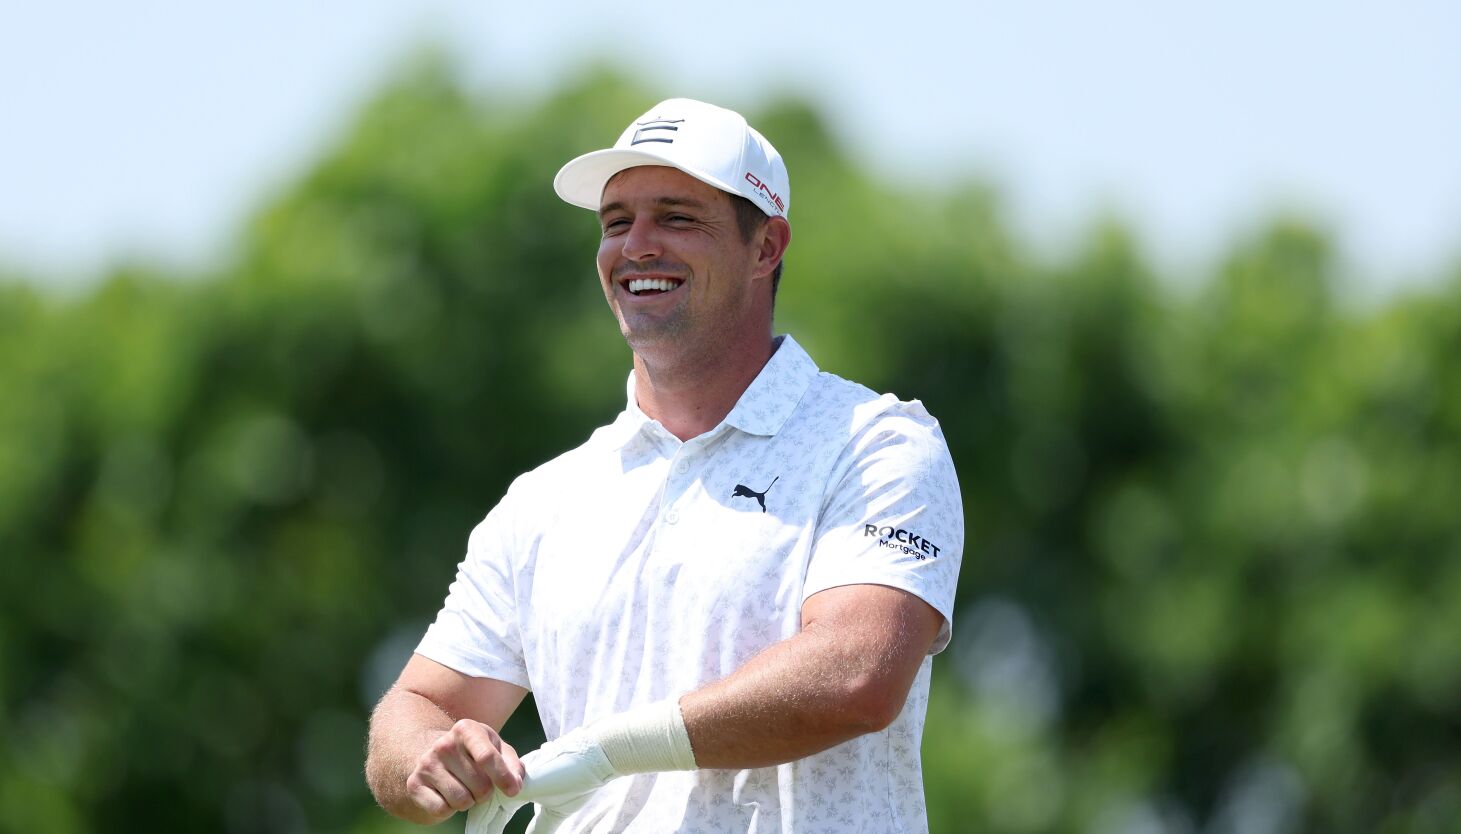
<point x="726" y="601"/>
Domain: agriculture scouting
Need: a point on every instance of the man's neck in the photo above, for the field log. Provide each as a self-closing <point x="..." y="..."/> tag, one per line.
<point x="691" y="398"/>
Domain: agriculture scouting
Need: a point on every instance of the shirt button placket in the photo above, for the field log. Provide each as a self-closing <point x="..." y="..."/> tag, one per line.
<point x="676" y="486"/>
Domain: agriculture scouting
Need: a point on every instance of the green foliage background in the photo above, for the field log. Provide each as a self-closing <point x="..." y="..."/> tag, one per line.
<point x="1213" y="575"/>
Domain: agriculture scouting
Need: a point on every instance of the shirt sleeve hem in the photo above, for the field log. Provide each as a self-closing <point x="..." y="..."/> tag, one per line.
<point x="477" y="666"/>
<point x="945" y="631"/>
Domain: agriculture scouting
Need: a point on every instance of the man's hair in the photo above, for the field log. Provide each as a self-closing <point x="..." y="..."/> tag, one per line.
<point x="748" y="220"/>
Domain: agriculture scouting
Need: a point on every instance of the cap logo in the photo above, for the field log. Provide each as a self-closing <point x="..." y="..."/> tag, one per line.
<point x="764" y="192"/>
<point x="656" y="130"/>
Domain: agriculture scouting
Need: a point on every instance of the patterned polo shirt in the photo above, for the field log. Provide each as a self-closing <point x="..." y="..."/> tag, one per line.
<point x="637" y="567"/>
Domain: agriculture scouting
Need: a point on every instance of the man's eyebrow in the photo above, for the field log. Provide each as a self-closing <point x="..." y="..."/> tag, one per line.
<point x="687" y="202"/>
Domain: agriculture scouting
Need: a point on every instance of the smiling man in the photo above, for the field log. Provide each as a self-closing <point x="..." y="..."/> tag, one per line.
<point x="726" y="601"/>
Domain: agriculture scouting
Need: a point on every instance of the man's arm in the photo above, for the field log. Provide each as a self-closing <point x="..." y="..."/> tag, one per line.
<point x="846" y="673"/>
<point x="434" y="748"/>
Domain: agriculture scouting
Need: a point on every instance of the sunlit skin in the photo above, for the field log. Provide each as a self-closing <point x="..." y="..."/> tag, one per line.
<point x="697" y="346"/>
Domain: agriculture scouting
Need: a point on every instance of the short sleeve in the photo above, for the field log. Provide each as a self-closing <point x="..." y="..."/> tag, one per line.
<point x="893" y="515"/>
<point x="476" y="632"/>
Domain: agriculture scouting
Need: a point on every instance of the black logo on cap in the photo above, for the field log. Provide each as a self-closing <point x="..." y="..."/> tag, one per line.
<point x="656" y="130"/>
<point x="743" y="491"/>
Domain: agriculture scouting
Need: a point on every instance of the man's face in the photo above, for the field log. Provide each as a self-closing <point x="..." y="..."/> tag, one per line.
<point x="673" y="264"/>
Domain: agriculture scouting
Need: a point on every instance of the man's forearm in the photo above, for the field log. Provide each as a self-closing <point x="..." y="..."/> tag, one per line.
<point x="846" y="673"/>
<point x="821" y="687"/>
<point x="434" y="748"/>
<point x="402" y="727"/>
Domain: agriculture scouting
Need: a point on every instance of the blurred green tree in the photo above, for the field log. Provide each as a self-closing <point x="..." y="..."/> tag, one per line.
<point x="1211" y="581"/>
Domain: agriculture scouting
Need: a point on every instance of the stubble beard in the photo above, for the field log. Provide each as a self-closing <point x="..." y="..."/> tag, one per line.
<point x="656" y="337"/>
<point x="680" y="341"/>
<point x="652" y="335"/>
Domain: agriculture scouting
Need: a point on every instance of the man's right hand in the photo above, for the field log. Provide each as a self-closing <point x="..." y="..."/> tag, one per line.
<point x="559" y="778"/>
<point x="464" y="766"/>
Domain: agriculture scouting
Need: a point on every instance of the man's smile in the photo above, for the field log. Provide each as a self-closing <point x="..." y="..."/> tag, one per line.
<point x="649" y="279"/>
<point x="651" y="286"/>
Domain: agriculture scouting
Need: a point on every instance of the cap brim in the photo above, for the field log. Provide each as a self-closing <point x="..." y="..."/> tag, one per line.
<point x="581" y="182"/>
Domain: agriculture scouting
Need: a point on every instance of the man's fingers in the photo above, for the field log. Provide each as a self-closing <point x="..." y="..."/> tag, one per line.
<point x="427" y="798"/>
<point x="446" y="769"/>
<point x="514" y="769"/>
<point x="458" y="751"/>
<point x="461" y="768"/>
<point x="444" y="784"/>
<point x="489" y="761"/>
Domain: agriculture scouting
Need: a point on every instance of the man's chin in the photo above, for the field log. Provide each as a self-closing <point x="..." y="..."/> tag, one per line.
<point x="650" y="333"/>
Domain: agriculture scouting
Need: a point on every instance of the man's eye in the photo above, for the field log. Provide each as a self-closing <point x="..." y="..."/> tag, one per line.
<point x="679" y="218"/>
<point x="614" y="225"/>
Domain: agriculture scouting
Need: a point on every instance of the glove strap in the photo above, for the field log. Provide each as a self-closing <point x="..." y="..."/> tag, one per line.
<point x="649" y="739"/>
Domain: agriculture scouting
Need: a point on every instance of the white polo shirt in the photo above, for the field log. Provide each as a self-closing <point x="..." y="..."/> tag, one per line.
<point x="636" y="568"/>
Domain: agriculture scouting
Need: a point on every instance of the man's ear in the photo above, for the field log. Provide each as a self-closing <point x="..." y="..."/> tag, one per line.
<point x="775" y="237"/>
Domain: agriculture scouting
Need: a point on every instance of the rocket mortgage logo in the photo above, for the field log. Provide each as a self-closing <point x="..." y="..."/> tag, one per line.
<point x="896" y="538"/>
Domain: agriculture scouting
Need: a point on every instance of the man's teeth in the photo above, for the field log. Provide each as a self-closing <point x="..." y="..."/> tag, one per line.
<point x="639" y="285"/>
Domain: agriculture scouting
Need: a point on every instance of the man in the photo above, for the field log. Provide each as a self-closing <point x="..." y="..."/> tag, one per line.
<point x="726" y="601"/>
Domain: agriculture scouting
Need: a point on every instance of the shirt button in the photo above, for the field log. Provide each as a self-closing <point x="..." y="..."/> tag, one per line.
<point x="672" y="516"/>
<point x="682" y="467"/>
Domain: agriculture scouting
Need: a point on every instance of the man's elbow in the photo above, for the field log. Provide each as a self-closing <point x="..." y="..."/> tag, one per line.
<point x="379" y="780"/>
<point x="871" y="702"/>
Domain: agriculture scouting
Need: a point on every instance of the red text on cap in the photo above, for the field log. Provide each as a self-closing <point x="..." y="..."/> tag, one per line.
<point x="765" y="191"/>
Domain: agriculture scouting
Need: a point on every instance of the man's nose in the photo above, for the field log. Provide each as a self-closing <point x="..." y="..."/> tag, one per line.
<point x="642" y="242"/>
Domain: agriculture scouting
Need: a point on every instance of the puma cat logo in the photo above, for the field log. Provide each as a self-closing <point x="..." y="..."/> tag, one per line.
<point x="743" y="491"/>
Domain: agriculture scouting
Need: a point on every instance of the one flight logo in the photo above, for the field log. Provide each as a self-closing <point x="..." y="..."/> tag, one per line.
<point x="896" y="538"/>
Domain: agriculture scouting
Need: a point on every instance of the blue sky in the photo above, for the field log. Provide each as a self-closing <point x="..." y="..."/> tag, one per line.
<point x="154" y="127"/>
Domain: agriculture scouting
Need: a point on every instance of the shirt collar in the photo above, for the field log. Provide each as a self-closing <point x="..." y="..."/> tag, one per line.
<point x="763" y="408"/>
<point x="773" y="395"/>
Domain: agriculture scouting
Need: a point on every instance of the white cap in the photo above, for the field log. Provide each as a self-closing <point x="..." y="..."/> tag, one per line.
<point x="710" y="143"/>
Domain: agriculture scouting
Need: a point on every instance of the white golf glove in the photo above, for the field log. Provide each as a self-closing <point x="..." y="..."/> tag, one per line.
<point x="562" y="774"/>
